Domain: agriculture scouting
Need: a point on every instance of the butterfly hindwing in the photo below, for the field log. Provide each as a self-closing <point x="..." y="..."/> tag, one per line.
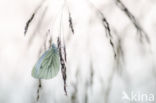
<point x="36" y="69"/>
<point x="48" y="65"/>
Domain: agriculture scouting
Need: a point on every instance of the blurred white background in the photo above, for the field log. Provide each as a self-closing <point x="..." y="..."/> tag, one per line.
<point x="88" y="50"/>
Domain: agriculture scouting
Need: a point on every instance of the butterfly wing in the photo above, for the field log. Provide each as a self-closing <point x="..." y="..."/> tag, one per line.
<point x="48" y="65"/>
<point x="35" y="71"/>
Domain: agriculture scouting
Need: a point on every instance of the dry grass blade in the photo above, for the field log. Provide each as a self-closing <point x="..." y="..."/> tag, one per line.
<point x="62" y="61"/>
<point x="71" y="23"/>
<point x="65" y="54"/>
<point x="32" y="17"/>
<point x="74" y="95"/>
<point x="38" y="90"/>
<point x="86" y="93"/>
<point x="89" y="82"/>
<point x="141" y="32"/>
<point x="107" y="27"/>
<point x="108" y="33"/>
<point x="120" y="55"/>
<point x="28" y="23"/>
<point x="38" y="26"/>
<point x="91" y="73"/>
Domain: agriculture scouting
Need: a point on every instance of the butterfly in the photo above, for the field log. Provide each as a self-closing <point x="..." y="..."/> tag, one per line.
<point x="48" y="64"/>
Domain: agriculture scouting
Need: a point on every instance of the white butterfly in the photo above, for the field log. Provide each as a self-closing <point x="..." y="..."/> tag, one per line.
<point x="48" y="64"/>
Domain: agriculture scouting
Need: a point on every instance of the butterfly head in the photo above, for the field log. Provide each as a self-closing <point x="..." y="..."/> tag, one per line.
<point x="54" y="47"/>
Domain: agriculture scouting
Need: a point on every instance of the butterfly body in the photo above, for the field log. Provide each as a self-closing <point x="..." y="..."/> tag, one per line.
<point x="48" y="64"/>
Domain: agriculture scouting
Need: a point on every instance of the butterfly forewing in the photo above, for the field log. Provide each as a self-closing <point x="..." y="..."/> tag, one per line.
<point x="48" y="65"/>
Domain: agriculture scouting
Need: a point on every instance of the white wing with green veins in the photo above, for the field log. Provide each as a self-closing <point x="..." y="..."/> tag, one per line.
<point x="48" y="65"/>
